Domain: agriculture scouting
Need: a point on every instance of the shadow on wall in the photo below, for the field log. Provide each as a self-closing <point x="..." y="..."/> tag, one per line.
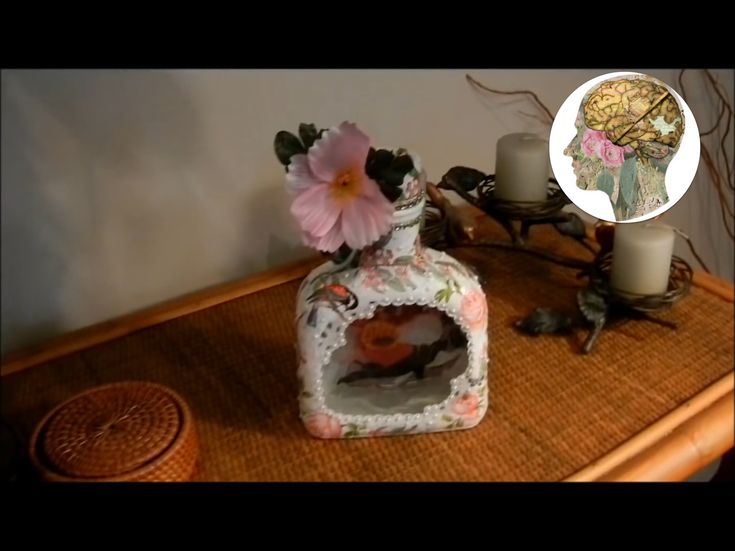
<point x="268" y="207"/>
<point x="64" y="133"/>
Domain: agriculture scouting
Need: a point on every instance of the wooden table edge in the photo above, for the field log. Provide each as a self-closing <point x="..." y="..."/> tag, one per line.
<point x="676" y="446"/>
<point x="99" y="333"/>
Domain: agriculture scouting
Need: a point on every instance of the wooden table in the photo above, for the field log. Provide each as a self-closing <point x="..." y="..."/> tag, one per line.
<point x="554" y="414"/>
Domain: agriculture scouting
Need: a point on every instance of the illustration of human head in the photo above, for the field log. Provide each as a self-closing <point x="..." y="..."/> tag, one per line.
<point x="628" y="131"/>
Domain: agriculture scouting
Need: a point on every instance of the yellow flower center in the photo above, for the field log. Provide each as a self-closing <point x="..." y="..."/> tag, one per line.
<point x="346" y="186"/>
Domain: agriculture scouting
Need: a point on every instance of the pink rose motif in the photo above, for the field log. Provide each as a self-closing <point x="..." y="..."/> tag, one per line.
<point x="419" y="260"/>
<point x="376" y="257"/>
<point x="612" y="155"/>
<point x="373" y="280"/>
<point x="467" y="406"/>
<point x="592" y="142"/>
<point x="473" y="310"/>
<point x="322" y="425"/>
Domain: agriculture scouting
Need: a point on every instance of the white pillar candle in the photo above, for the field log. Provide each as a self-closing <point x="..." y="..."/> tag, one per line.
<point x="641" y="259"/>
<point x="522" y="168"/>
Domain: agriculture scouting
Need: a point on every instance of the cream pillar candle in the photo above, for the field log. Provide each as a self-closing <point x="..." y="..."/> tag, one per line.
<point x="522" y="168"/>
<point x="641" y="259"/>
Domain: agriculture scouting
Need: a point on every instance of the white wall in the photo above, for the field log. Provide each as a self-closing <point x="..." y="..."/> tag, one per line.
<point x="121" y="189"/>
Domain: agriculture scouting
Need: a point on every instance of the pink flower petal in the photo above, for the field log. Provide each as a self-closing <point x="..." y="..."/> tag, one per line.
<point x="371" y="190"/>
<point x="330" y="242"/>
<point x="299" y="176"/>
<point x="316" y="210"/>
<point x="340" y="149"/>
<point x="365" y="220"/>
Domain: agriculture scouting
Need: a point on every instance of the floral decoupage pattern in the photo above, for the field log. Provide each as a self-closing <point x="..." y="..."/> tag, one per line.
<point x="628" y="130"/>
<point x="392" y="336"/>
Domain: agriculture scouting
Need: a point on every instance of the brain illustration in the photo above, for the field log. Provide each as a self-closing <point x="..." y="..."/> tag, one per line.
<point x="639" y="113"/>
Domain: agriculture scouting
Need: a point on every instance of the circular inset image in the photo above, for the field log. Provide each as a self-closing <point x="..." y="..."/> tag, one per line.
<point x="624" y="147"/>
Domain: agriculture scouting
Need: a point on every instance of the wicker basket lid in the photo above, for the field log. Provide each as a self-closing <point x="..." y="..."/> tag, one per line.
<point x="131" y="431"/>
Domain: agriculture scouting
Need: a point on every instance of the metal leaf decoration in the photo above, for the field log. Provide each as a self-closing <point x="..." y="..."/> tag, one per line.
<point x="573" y="226"/>
<point x="545" y="321"/>
<point x="593" y="306"/>
<point x="462" y="177"/>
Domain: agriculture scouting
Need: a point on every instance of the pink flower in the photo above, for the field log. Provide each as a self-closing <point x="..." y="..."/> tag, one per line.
<point x="377" y="257"/>
<point x="592" y="142"/>
<point x="373" y="280"/>
<point x="467" y="405"/>
<point x="336" y="202"/>
<point x="322" y="425"/>
<point x="473" y="310"/>
<point x="612" y="155"/>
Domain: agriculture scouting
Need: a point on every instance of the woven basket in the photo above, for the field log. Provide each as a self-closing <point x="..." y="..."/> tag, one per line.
<point x="122" y="432"/>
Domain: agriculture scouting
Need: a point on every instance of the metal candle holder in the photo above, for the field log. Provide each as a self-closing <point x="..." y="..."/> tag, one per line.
<point x="599" y="303"/>
<point x="529" y="213"/>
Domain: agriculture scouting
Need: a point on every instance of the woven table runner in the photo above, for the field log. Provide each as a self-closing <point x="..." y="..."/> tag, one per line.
<point x="552" y="410"/>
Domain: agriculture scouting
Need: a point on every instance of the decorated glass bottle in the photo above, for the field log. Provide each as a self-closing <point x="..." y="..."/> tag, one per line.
<point x="396" y="344"/>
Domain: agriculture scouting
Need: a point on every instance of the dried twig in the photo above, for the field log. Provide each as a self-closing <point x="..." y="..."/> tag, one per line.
<point x="693" y="250"/>
<point x="722" y="182"/>
<point x="533" y="95"/>
<point x="726" y="105"/>
<point x="533" y="251"/>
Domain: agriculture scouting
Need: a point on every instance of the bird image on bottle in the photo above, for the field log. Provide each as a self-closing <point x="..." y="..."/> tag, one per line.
<point x="332" y="296"/>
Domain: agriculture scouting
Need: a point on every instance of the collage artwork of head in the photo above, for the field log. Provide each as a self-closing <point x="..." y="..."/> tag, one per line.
<point x="628" y="131"/>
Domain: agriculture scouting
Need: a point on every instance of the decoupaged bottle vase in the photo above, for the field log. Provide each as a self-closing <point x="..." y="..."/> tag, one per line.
<point x="397" y="344"/>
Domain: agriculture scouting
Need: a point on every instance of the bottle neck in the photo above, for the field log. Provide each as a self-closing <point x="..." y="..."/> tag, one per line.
<point x="403" y="239"/>
<point x="404" y="235"/>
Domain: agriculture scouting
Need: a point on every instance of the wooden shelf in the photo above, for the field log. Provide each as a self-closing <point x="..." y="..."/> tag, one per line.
<point x="682" y="427"/>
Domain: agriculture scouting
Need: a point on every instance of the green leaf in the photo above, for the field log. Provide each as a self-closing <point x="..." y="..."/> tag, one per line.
<point x="403" y="164"/>
<point x="447" y="418"/>
<point x="384" y="273"/>
<point x="390" y="192"/>
<point x="439" y="296"/>
<point x="308" y="134"/>
<point x="606" y="183"/>
<point x="396" y="285"/>
<point x="418" y="269"/>
<point x="286" y="146"/>
<point x="629" y="181"/>
<point x="390" y="178"/>
<point x="377" y="161"/>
